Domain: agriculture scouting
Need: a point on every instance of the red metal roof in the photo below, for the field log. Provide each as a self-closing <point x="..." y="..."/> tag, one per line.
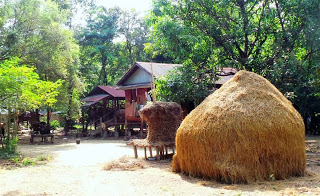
<point x="107" y="90"/>
<point x="102" y="92"/>
<point x="112" y="91"/>
<point x="94" y="98"/>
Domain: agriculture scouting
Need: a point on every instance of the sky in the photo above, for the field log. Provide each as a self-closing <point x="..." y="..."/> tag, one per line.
<point x="139" y="5"/>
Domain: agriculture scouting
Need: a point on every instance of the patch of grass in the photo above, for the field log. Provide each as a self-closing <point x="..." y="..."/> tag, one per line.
<point x="12" y="161"/>
<point x="7" y="155"/>
<point x="43" y="158"/>
<point x="125" y="164"/>
<point x="28" y="161"/>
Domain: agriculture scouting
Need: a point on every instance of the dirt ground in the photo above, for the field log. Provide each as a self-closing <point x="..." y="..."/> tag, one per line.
<point x="78" y="170"/>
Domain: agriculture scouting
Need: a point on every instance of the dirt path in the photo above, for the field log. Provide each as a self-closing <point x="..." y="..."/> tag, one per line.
<point x="78" y="170"/>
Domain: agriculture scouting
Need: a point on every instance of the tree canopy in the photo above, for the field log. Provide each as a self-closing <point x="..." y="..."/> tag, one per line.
<point x="49" y="60"/>
<point x="277" y="39"/>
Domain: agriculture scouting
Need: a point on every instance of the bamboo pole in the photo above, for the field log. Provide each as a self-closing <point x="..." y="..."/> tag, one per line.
<point x="153" y="87"/>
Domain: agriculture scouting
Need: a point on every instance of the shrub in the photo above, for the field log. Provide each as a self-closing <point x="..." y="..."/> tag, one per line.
<point x="55" y="124"/>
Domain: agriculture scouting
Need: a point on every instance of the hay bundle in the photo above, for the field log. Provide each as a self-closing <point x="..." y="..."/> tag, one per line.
<point x="245" y="131"/>
<point x="163" y="119"/>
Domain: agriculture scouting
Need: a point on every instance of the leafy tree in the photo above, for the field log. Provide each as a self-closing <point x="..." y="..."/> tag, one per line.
<point x="277" y="39"/>
<point x="111" y="42"/>
<point x="21" y="89"/>
<point x="39" y="38"/>
<point x="134" y="30"/>
<point x="98" y="36"/>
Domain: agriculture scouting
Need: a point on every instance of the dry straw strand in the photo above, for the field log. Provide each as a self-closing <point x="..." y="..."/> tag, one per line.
<point x="245" y="131"/>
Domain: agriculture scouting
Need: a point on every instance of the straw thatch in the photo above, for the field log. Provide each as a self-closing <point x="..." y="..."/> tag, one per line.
<point x="163" y="119"/>
<point x="245" y="131"/>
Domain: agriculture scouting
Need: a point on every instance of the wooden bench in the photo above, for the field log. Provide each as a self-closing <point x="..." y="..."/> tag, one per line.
<point x="43" y="136"/>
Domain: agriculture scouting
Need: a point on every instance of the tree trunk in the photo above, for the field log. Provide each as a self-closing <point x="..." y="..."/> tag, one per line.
<point x="103" y="73"/>
<point x="48" y="118"/>
<point x="68" y="117"/>
<point x="7" y="139"/>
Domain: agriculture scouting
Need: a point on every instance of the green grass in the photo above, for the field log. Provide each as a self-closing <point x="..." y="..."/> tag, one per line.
<point x="11" y="161"/>
<point x="28" y="161"/>
<point x="43" y="158"/>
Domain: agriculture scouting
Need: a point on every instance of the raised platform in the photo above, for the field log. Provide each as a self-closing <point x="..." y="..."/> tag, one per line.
<point x="161" y="148"/>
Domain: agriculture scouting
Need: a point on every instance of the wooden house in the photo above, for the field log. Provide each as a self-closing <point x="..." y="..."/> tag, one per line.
<point x="137" y="84"/>
<point x="224" y="74"/>
<point x="105" y="108"/>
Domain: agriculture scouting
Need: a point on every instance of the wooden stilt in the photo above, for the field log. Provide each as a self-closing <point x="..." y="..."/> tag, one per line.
<point x="141" y="129"/>
<point x="150" y="150"/>
<point x="125" y="129"/>
<point x="145" y="152"/>
<point x="158" y="155"/>
<point x="162" y="151"/>
<point x="135" y="151"/>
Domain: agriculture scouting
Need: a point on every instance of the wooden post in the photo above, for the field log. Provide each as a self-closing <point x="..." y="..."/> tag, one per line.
<point x="115" y="115"/>
<point x="125" y="128"/>
<point x="150" y="150"/>
<point x="104" y="110"/>
<point x="141" y="129"/>
<point x="82" y="113"/>
<point x="161" y="152"/>
<point x="135" y="151"/>
<point x="158" y="156"/>
<point x="101" y="128"/>
<point x="154" y="99"/>
<point x="145" y="152"/>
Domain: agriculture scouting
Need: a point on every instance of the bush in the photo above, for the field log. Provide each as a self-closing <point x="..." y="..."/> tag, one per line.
<point x="55" y="124"/>
<point x="28" y="161"/>
<point x="10" y="147"/>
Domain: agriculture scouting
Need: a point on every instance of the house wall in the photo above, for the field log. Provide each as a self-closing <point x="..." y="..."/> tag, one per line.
<point x="135" y="99"/>
<point x="138" y="77"/>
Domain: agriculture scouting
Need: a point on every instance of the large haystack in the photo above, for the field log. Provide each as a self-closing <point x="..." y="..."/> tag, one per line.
<point x="245" y="131"/>
<point x="163" y="119"/>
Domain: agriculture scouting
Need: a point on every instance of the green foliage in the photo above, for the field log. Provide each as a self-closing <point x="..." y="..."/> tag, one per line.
<point x="43" y="158"/>
<point x="184" y="84"/>
<point x="9" y="156"/>
<point x="28" y="161"/>
<point x="276" y="39"/>
<point x="21" y="90"/>
<point x="10" y="148"/>
<point x="54" y="124"/>
<point x="111" y="42"/>
<point x="17" y="160"/>
<point x="41" y="40"/>
<point x="21" y="87"/>
<point x="99" y="34"/>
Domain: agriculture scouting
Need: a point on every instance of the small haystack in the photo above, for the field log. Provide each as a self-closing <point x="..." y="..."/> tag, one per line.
<point x="245" y="131"/>
<point x="163" y="119"/>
